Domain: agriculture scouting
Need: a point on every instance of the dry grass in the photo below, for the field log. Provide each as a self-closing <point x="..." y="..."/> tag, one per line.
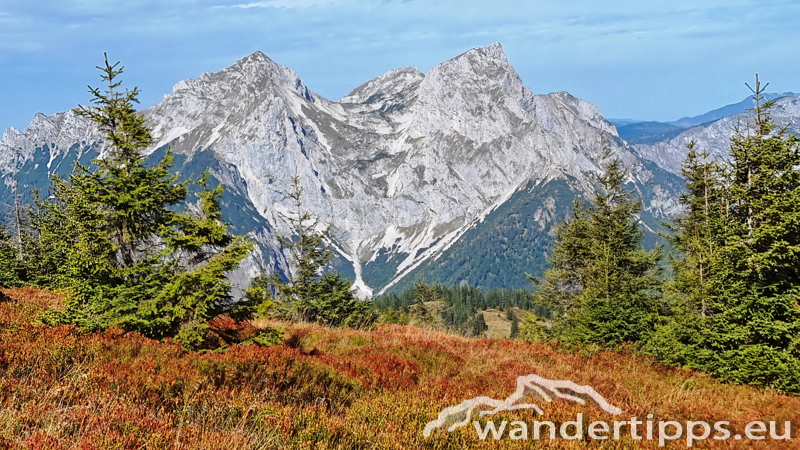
<point x="323" y="388"/>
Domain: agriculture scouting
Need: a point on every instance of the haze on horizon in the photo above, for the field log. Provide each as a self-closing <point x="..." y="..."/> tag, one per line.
<point x="631" y="59"/>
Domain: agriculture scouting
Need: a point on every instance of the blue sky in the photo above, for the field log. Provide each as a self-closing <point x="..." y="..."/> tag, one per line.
<point x="654" y="60"/>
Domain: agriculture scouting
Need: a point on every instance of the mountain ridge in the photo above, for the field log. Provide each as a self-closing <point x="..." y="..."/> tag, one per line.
<point x="727" y="110"/>
<point x="401" y="168"/>
<point x="715" y="136"/>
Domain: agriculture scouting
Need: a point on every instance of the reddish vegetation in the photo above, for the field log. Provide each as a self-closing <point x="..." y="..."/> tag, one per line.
<point x="323" y="388"/>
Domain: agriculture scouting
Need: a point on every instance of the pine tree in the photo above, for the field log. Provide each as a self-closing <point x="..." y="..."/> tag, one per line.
<point x="695" y="237"/>
<point x="15" y="239"/>
<point x="423" y="293"/>
<point x="47" y="243"/>
<point x="309" y="254"/>
<point x="119" y="246"/>
<point x="534" y="328"/>
<point x="601" y="283"/>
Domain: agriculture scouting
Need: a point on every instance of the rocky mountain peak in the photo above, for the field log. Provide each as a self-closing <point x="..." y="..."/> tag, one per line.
<point x="200" y="110"/>
<point x="11" y="133"/>
<point x="582" y="109"/>
<point x="251" y="74"/>
<point x="715" y="136"/>
<point x="491" y="51"/>
<point x="486" y="61"/>
<point x="472" y="94"/>
<point x="57" y="134"/>
<point x="388" y="84"/>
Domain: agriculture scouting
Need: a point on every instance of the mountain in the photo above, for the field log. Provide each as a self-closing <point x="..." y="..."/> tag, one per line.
<point x="417" y="174"/>
<point x="644" y="132"/>
<point x="725" y="111"/>
<point x="715" y="136"/>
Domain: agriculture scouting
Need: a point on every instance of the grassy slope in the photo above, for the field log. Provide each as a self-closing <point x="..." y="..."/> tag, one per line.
<point x="498" y="323"/>
<point x="333" y="388"/>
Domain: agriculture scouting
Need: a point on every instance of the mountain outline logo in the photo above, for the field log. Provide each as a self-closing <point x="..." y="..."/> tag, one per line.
<point x="530" y="385"/>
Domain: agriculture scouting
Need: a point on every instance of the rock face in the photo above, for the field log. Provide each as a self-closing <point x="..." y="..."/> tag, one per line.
<point x="401" y="168"/>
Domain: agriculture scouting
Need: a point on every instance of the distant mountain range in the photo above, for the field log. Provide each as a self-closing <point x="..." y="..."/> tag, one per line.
<point x="725" y="111"/>
<point x="644" y="132"/>
<point x="456" y="175"/>
<point x="715" y="136"/>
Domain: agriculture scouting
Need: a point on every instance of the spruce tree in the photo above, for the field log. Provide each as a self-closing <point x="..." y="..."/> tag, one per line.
<point x="750" y="330"/>
<point x="125" y="254"/>
<point x="695" y="235"/>
<point x="424" y="293"/>
<point x="16" y="242"/>
<point x="479" y="325"/>
<point x="47" y="243"/>
<point x="602" y="285"/>
<point x="310" y="294"/>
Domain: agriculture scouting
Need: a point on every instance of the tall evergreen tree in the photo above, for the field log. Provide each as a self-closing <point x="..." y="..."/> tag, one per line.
<point x="601" y="283"/>
<point x="479" y="325"/>
<point x="16" y="240"/>
<point x="47" y="243"/>
<point x="127" y="257"/>
<point x="423" y="293"/>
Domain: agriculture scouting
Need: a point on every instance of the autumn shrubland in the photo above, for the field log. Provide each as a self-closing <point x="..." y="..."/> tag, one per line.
<point x="322" y="388"/>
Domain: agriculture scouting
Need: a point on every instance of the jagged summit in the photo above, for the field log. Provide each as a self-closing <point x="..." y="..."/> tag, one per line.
<point x="491" y="51"/>
<point x="253" y="74"/>
<point x="485" y="61"/>
<point x="199" y="111"/>
<point x="390" y="83"/>
<point x="480" y="68"/>
<point x="257" y="63"/>
<point x="256" y="55"/>
<point x="477" y="58"/>
<point x="11" y="133"/>
<point x="715" y="136"/>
